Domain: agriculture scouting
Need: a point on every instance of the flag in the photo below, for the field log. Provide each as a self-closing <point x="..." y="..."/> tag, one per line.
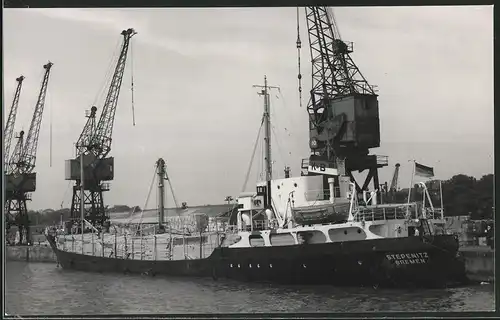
<point x="423" y="171"/>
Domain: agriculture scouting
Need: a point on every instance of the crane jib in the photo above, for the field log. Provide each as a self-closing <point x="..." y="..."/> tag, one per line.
<point x="11" y="120"/>
<point x="23" y="158"/>
<point x="31" y="143"/>
<point x="98" y="135"/>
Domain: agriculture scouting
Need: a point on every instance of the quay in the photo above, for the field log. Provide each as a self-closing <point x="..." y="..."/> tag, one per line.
<point x="34" y="253"/>
<point x="479" y="263"/>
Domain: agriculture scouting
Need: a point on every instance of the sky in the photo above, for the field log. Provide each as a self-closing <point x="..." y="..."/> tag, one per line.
<point x="195" y="106"/>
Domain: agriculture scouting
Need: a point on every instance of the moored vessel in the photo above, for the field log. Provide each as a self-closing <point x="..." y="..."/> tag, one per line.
<point x="290" y="230"/>
<point x="317" y="228"/>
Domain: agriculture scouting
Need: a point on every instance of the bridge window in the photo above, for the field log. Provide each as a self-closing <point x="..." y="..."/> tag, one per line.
<point x="282" y="239"/>
<point x="310" y="237"/>
<point x="256" y="241"/>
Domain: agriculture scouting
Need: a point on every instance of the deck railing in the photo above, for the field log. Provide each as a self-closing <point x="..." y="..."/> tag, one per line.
<point x="145" y="242"/>
<point x="397" y="212"/>
<point x="151" y="247"/>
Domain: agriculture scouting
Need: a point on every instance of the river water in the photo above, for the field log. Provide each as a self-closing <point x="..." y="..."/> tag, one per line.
<point x="44" y="289"/>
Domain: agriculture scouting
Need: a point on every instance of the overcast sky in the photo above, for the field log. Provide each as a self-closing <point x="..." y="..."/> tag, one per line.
<point x="195" y="105"/>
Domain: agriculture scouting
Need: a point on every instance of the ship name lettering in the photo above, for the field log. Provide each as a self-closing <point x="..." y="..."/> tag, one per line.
<point x="408" y="258"/>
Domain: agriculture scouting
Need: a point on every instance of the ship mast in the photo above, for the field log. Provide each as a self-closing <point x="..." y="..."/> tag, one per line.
<point x="266" y="117"/>
<point x="160" y="167"/>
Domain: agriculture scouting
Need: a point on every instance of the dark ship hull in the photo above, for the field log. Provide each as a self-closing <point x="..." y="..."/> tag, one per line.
<point x="399" y="262"/>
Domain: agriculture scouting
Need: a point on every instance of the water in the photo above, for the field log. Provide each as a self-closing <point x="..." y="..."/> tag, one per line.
<point x="43" y="289"/>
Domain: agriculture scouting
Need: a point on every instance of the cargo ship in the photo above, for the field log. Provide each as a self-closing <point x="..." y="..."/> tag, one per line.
<point x="290" y="230"/>
<point x="318" y="227"/>
<point x="338" y="240"/>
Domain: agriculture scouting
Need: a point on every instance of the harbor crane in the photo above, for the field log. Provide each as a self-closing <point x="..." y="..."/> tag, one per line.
<point x="20" y="178"/>
<point x="343" y="107"/>
<point x="93" y="147"/>
<point x="11" y="120"/>
<point x="394" y="182"/>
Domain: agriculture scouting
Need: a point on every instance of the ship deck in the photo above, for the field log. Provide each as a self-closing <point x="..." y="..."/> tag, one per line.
<point x="148" y="247"/>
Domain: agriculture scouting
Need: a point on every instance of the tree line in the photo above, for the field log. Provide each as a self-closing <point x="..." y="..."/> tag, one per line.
<point x="462" y="196"/>
<point x="51" y="217"/>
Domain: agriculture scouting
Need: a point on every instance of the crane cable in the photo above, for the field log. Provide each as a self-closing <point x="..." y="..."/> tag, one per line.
<point x="299" y="46"/>
<point x="108" y="75"/>
<point x="132" y="81"/>
<point x="50" y="128"/>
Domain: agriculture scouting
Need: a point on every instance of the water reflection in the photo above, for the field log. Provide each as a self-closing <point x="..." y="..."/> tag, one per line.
<point x="44" y="289"/>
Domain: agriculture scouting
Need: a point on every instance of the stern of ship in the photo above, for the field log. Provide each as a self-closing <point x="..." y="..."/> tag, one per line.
<point x="430" y="261"/>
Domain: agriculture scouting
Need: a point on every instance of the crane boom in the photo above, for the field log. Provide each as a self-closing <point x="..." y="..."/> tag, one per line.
<point x="101" y="138"/>
<point x="17" y="154"/>
<point x="90" y="168"/>
<point x="11" y="120"/>
<point x="394" y="182"/>
<point x="88" y="131"/>
<point x="31" y="143"/>
<point x="334" y="73"/>
<point x="343" y="107"/>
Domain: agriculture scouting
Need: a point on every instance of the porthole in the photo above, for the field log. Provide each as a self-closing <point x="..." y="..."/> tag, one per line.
<point x="250" y="265"/>
<point x="239" y="265"/>
<point x="359" y="230"/>
<point x="230" y="265"/>
<point x="295" y="185"/>
<point x="278" y="187"/>
<point x="258" y="265"/>
<point x="345" y="231"/>
<point x="270" y="265"/>
<point x="304" y="266"/>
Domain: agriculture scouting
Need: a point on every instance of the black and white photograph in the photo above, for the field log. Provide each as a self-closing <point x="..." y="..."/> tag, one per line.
<point x="248" y="161"/>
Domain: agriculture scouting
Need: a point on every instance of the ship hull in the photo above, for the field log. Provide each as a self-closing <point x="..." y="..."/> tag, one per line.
<point x="399" y="262"/>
